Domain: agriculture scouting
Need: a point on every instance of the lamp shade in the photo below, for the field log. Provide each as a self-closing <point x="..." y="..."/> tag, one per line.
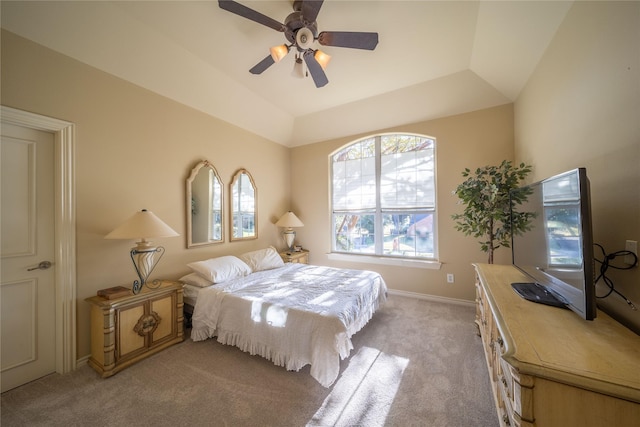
<point x="279" y="52"/>
<point x="322" y="58"/>
<point x="298" y="68"/>
<point x="143" y="224"/>
<point x="289" y="220"/>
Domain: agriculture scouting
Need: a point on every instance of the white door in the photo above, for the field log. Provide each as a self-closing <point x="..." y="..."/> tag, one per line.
<point x="27" y="286"/>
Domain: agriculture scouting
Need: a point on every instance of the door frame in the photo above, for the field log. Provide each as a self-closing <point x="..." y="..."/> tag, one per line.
<point x="65" y="227"/>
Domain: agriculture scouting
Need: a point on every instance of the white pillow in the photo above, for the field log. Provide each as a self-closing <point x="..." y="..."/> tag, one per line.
<point x="196" y="280"/>
<point x="220" y="269"/>
<point x="263" y="259"/>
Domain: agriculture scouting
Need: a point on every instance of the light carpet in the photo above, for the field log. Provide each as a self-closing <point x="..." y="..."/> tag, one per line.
<point x="417" y="363"/>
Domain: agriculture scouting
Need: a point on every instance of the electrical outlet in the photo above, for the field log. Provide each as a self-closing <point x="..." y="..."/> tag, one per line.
<point x="631" y="246"/>
<point x="450" y="278"/>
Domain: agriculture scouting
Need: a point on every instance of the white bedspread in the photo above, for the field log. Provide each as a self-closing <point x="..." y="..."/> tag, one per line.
<point x="294" y="315"/>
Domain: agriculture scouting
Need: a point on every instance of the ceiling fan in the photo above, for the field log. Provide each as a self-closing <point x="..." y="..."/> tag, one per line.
<point x="301" y="31"/>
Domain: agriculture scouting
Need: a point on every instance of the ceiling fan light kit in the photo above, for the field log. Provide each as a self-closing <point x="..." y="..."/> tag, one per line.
<point x="298" y="68"/>
<point x="301" y="30"/>
<point x="279" y="52"/>
<point x="322" y="58"/>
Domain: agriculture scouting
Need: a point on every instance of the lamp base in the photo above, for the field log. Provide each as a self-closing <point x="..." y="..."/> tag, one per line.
<point x="289" y="237"/>
<point x="144" y="262"/>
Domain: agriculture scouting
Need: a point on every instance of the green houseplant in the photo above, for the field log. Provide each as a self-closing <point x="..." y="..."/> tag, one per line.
<point x="487" y="212"/>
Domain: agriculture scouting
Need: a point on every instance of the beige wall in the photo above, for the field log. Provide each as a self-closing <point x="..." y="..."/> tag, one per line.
<point x="468" y="140"/>
<point x="581" y="107"/>
<point x="135" y="150"/>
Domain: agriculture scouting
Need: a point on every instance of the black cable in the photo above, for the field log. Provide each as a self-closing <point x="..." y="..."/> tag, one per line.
<point x="605" y="265"/>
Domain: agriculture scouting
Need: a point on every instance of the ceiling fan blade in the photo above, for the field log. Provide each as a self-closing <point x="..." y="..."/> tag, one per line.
<point x="310" y="9"/>
<point x="317" y="73"/>
<point x="245" y="12"/>
<point x="262" y="65"/>
<point x="355" y="40"/>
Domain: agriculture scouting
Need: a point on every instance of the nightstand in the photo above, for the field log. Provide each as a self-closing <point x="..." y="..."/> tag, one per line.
<point x="125" y="330"/>
<point x="301" y="257"/>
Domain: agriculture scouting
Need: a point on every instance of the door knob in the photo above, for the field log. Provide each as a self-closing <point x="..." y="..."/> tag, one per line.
<point x="42" y="266"/>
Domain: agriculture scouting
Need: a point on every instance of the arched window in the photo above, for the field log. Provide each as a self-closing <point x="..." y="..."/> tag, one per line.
<point x="383" y="197"/>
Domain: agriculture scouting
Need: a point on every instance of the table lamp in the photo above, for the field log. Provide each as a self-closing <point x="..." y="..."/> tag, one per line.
<point x="288" y="221"/>
<point x="143" y="225"/>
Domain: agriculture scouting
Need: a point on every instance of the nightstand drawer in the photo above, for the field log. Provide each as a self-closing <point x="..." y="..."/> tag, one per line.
<point x="301" y="257"/>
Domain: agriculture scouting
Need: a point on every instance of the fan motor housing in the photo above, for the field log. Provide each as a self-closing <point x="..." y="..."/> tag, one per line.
<point x="294" y="22"/>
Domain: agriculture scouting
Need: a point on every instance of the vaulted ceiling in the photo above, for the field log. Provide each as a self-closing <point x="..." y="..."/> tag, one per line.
<point x="434" y="58"/>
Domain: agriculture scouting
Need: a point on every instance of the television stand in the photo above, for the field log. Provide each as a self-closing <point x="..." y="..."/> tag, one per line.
<point x="550" y="367"/>
<point x="536" y="292"/>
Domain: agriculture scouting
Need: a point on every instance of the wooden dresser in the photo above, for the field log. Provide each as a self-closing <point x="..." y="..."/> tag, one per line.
<point x="127" y="329"/>
<point x="548" y="366"/>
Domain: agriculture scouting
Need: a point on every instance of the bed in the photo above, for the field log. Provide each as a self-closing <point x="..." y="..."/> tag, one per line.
<point x="292" y="314"/>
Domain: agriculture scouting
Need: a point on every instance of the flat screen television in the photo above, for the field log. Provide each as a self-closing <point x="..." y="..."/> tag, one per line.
<point x="557" y="252"/>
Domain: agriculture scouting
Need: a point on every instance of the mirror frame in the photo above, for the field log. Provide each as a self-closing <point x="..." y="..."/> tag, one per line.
<point x="194" y="172"/>
<point x="236" y="178"/>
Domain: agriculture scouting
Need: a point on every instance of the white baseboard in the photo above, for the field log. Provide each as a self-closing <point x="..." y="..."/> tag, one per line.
<point x="431" y="297"/>
<point x="82" y="361"/>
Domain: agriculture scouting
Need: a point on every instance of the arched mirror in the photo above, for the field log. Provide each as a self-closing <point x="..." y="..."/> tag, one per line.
<point x="244" y="207"/>
<point x="204" y="206"/>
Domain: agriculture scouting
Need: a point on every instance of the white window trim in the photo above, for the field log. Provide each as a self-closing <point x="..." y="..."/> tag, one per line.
<point x="430" y="263"/>
<point x="385" y="260"/>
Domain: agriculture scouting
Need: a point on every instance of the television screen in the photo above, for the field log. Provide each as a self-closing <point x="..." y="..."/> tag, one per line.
<point x="557" y="251"/>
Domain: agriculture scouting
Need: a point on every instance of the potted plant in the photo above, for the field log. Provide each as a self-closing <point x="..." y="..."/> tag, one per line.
<point x="487" y="212"/>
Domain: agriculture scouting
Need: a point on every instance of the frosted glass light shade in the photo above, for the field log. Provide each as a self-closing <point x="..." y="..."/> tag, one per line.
<point x="279" y="52"/>
<point x="322" y="58"/>
<point x="298" y="68"/>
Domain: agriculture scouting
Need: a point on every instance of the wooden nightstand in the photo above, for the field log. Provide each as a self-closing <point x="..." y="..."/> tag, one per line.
<point x="301" y="257"/>
<point x="127" y="329"/>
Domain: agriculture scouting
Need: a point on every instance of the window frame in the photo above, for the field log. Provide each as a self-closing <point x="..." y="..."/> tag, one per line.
<point x="379" y="212"/>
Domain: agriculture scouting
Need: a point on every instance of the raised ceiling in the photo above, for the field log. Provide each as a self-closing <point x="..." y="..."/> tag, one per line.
<point x="434" y="58"/>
